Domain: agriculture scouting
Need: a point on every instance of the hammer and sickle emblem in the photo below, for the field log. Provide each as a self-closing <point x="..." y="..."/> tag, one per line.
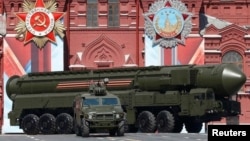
<point x="39" y="22"/>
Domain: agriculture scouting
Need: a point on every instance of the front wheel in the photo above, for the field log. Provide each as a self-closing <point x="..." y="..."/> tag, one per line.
<point x="121" y="129"/>
<point x="85" y="128"/>
<point x="77" y="128"/>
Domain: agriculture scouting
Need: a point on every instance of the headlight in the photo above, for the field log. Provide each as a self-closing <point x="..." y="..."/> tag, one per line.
<point x="90" y="116"/>
<point x="117" y="115"/>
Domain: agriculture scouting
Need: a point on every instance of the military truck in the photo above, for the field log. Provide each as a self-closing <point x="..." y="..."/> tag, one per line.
<point x="163" y="98"/>
<point x="98" y="111"/>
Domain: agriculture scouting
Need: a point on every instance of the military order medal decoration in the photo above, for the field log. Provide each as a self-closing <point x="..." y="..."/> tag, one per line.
<point x="39" y="22"/>
<point x="167" y="23"/>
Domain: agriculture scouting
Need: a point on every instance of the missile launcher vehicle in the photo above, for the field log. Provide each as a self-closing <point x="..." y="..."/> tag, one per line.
<point x="162" y="98"/>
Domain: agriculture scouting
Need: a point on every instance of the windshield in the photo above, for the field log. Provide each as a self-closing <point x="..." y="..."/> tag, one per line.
<point x="91" y="101"/>
<point x="109" y="101"/>
<point x="95" y="101"/>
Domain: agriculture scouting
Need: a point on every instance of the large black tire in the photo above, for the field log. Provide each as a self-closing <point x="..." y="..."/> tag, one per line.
<point x="165" y="121"/>
<point x="193" y="126"/>
<point x="121" y="129"/>
<point x="178" y="126"/>
<point x="30" y="124"/>
<point x="146" y="122"/>
<point x="64" y="123"/>
<point x="47" y="124"/>
<point x="126" y="126"/>
<point x="85" y="128"/>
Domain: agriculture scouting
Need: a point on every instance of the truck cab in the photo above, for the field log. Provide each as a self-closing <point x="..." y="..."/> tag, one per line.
<point x="98" y="111"/>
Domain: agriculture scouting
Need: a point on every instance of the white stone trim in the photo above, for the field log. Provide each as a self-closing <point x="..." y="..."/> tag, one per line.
<point x="247" y="36"/>
<point x="193" y="35"/>
<point x="212" y="36"/>
<point x="10" y="35"/>
<point x="212" y="51"/>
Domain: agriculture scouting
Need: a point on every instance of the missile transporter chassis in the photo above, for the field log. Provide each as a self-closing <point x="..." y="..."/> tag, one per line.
<point x="40" y="115"/>
<point x="163" y="98"/>
<point x="149" y="112"/>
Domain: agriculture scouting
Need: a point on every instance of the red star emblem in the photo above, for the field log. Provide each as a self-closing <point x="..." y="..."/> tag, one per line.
<point x="39" y="22"/>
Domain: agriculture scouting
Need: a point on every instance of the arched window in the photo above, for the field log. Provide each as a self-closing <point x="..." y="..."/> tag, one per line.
<point x="233" y="57"/>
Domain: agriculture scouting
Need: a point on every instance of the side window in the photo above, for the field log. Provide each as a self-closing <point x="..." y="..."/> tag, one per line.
<point x="113" y="13"/>
<point x="92" y="13"/>
<point x="199" y="96"/>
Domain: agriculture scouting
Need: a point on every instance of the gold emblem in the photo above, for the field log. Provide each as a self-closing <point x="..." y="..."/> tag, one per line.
<point x="167" y="23"/>
<point x="39" y="22"/>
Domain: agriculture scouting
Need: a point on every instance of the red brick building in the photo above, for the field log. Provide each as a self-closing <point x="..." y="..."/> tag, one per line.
<point x="110" y="33"/>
